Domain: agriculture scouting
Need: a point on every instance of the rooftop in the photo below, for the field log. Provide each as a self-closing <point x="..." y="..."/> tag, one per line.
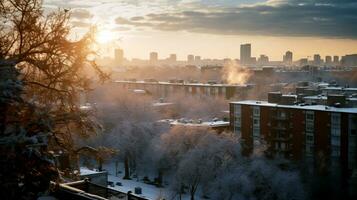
<point x="186" y="83"/>
<point x="298" y="106"/>
<point x="196" y="123"/>
<point x="340" y="88"/>
<point x="324" y="97"/>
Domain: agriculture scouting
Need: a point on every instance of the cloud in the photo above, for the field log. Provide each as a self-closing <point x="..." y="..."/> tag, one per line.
<point x="81" y="14"/>
<point x="322" y="18"/>
<point x="80" y="24"/>
<point x="121" y="28"/>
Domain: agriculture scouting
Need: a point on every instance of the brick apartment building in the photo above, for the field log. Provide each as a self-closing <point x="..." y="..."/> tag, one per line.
<point x="297" y="131"/>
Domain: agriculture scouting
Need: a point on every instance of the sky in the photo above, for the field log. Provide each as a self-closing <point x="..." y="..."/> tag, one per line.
<point x="216" y="28"/>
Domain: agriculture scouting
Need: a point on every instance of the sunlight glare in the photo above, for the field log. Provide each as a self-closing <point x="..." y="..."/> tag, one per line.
<point x="105" y="36"/>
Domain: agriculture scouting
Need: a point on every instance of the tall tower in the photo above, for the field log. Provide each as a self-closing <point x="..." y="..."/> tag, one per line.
<point x="288" y="58"/>
<point x="154" y="57"/>
<point x="245" y="54"/>
<point x="118" y="56"/>
<point x="317" y="59"/>
<point x="328" y="60"/>
<point x="336" y="59"/>
<point x="190" y="58"/>
<point x="173" y="58"/>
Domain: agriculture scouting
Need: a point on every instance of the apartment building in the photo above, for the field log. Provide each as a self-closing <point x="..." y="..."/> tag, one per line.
<point x="297" y="131"/>
<point x="164" y="89"/>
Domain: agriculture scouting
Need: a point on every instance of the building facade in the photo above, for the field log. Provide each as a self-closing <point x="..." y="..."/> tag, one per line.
<point x="164" y="89"/>
<point x="288" y="58"/>
<point x="119" y="56"/>
<point x="297" y="132"/>
<point x="154" y="57"/>
<point x="245" y="54"/>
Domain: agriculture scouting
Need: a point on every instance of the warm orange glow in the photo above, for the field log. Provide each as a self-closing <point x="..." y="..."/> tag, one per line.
<point x="105" y="36"/>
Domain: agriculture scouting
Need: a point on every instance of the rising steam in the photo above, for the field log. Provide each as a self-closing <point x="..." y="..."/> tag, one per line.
<point x="234" y="74"/>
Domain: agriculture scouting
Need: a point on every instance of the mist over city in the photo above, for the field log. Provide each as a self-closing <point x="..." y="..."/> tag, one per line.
<point x="178" y="99"/>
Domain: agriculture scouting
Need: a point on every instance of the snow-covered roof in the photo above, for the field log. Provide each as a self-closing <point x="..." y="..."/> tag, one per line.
<point x="299" y="106"/>
<point x="202" y="124"/>
<point x="139" y="91"/>
<point x="340" y="88"/>
<point x="185" y="84"/>
<point x="162" y="104"/>
<point x="324" y="97"/>
<point x="85" y="171"/>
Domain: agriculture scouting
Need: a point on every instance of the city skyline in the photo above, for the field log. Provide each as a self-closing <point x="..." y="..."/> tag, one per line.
<point x="216" y="29"/>
<point x="287" y="57"/>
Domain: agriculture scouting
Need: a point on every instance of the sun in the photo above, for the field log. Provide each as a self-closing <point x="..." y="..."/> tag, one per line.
<point x="105" y="36"/>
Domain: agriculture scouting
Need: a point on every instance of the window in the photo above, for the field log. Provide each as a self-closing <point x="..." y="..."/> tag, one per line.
<point x="256" y="132"/>
<point x="335" y="134"/>
<point x="282" y="114"/>
<point x="223" y="90"/>
<point x="309" y="126"/>
<point x="310" y="138"/>
<point x="309" y="149"/>
<point x="237" y="119"/>
<point x="310" y="116"/>
<point x="335" y="131"/>
<point x="336" y="119"/>
<point x="237" y="109"/>
<point x="256" y="111"/>
<point x="335" y="141"/>
<point x="335" y="151"/>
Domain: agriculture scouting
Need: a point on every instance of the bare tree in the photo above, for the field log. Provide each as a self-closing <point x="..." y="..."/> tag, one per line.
<point x="39" y="109"/>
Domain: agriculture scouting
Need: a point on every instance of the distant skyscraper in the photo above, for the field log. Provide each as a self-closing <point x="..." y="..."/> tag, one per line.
<point x="173" y="58"/>
<point x="245" y="54"/>
<point x="328" y="60"/>
<point x="154" y="57"/>
<point x="197" y="58"/>
<point x="263" y="60"/>
<point x="118" y="56"/>
<point x="317" y="59"/>
<point x="349" y="60"/>
<point x="190" y="58"/>
<point x="336" y="59"/>
<point x="288" y="58"/>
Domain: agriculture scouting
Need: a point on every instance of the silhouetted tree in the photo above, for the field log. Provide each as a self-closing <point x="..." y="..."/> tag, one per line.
<point x="42" y="72"/>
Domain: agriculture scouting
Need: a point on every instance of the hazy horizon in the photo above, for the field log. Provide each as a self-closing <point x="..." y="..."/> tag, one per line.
<point x="215" y="29"/>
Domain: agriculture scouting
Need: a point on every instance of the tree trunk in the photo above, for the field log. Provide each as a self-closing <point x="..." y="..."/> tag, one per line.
<point x="100" y="163"/>
<point x="192" y="192"/>
<point x="126" y="166"/>
<point x="116" y="168"/>
<point x="159" y="178"/>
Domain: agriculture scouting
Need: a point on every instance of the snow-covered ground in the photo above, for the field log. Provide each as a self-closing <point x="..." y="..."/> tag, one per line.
<point x="150" y="192"/>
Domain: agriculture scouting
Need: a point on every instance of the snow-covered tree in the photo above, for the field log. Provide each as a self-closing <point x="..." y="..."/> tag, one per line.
<point x="41" y="74"/>
<point x="130" y="125"/>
